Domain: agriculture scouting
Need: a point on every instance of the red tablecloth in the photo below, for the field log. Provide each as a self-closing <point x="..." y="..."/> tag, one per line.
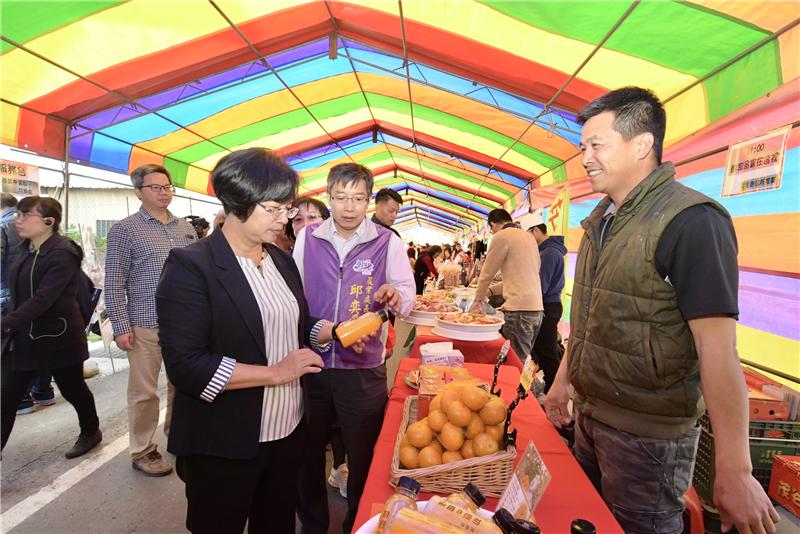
<point x="570" y="495"/>
<point x="473" y="351"/>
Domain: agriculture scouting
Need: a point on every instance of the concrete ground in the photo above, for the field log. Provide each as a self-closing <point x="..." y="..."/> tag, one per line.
<point x="44" y="493"/>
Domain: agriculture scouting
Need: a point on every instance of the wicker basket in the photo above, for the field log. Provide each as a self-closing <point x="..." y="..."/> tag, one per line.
<point x="490" y="473"/>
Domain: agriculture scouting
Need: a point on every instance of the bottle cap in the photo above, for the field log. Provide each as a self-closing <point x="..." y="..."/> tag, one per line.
<point x="582" y="526"/>
<point x="409" y="484"/>
<point x="475" y="494"/>
<point x="505" y="521"/>
<point x="526" y="527"/>
<point x="383" y="314"/>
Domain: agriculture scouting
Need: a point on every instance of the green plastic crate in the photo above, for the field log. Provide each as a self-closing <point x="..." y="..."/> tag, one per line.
<point x="762" y="451"/>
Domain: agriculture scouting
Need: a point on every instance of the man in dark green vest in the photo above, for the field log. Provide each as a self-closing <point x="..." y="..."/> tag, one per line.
<point x="653" y="336"/>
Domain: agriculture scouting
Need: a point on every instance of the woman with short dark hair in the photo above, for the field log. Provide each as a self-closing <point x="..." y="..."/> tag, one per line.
<point x="44" y="328"/>
<point x="234" y="324"/>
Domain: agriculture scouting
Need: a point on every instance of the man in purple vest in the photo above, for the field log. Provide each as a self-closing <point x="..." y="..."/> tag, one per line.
<point x="349" y="266"/>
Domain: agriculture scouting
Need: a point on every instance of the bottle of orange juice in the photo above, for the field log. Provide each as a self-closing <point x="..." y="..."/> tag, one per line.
<point x="348" y="332"/>
<point x="465" y="519"/>
<point x="404" y="497"/>
<point x="470" y="499"/>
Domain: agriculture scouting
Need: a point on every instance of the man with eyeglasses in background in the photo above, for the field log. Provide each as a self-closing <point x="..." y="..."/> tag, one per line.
<point x="349" y="266"/>
<point x="137" y="249"/>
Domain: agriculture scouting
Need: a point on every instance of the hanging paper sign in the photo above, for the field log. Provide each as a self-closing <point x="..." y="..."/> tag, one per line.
<point x="19" y="178"/>
<point x="528" y="372"/>
<point x="756" y="165"/>
<point x="558" y="214"/>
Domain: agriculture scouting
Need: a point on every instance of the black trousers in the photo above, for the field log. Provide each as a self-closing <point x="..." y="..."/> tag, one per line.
<point x="546" y="351"/>
<point x="71" y="384"/>
<point x="222" y="494"/>
<point x="356" y="398"/>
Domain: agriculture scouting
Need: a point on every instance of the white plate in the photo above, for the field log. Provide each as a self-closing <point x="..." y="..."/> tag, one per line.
<point x="461" y="327"/>
<point x="462" y="335"/>
<point x="420" y="321"/>
<point x="370" y="526"/>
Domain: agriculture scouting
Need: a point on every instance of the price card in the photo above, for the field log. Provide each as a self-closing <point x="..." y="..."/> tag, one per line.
<point x="528" y="372"/>
<point x="527" y="485"/>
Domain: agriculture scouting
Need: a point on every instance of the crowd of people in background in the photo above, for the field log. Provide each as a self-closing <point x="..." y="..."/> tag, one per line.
<point x="260" y="382"/>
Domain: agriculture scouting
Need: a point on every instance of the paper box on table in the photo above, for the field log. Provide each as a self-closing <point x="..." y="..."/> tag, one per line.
<point x="440" y="354"/>
<point x="784" y="485"/>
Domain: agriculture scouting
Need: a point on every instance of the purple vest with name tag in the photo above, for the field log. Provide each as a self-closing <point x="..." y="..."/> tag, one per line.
<point x="335" y="291"/>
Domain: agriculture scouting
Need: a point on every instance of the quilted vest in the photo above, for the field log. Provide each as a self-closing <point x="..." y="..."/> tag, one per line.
<point x="632" y="358"/>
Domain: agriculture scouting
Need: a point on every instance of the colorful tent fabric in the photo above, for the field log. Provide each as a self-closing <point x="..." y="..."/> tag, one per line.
<point x="457" y="105"/>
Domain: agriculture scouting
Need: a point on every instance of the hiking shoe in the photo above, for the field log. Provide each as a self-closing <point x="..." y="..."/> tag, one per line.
<point x="338" y="479"/>
<point x="152" y="465"/>
<point x="84" y="444"/>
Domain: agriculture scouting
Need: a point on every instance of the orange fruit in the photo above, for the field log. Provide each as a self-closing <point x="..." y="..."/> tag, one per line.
<point x="474" y="397"/>
<point x="436" y="420"/>
<point x="466" y="450"/>
<point x="409" y="457"/>
<point x="493" y="412"/>
<point x="484" y="444"/>
<point x="451" y="456"/>
<point x="475" y="426"/>
<point x="452" y="437"/>
<point x="437" y="445"/>
<point x="428" y="457"/>
<point x="435" y="403"/>
<point x="404" y="442"/>
<point x="496" y="431"/>
<point x="458" y="413"/>
<point x="419" y="434"/>
<point x="448" y="397"/>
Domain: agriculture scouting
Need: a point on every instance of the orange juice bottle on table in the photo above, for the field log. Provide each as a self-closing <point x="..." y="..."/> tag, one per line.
<point x="405" y="497"/>
<point x="348" y="332"/>
<point x="467" y="520"/>
<point x="470" y="499"/>
<point x="408" y="521"/>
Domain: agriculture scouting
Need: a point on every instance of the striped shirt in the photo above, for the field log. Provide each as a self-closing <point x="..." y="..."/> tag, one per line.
<point x="138" y="246"/>
<point x="280" y="313"/>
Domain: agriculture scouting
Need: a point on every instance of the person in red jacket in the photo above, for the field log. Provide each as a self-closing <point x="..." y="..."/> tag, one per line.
<point x="424" y="267"/>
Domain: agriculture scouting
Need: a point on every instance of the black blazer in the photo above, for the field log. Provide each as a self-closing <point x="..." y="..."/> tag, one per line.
<point x="44" y="323"/>
<point x="206" y="310"/>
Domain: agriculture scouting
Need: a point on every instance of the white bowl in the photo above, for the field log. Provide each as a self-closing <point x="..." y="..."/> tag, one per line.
<point x="441" y="321"/>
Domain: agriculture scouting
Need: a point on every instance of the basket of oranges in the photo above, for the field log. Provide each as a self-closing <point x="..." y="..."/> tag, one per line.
<point x="459" y="441"/>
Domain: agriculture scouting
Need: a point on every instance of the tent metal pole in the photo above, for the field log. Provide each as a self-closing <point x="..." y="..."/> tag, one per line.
<point x="67" y="128"/>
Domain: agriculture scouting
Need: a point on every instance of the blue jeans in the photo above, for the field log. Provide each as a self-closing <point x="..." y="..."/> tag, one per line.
<point x="521" y="328"/>
<point x="642" y="480"/>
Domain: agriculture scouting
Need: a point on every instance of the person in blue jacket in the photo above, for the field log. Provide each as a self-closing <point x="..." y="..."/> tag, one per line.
<point x="546" y="349"/>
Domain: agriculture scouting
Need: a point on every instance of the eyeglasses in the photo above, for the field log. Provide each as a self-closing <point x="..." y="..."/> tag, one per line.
<point x="278" y="213"/>
<point x="358" y="199"/>
<point x="22" y="215"/>
<point x="159" y="188"/>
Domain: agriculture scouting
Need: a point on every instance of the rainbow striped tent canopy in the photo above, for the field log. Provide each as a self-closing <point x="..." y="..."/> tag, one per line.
<point x="458" y="105"/>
